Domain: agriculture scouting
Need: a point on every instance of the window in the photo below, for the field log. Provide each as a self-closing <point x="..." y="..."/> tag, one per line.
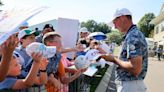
<point x="162" y="9"/>
<point x="162" y="26"/>
<point x="156" y="29"/>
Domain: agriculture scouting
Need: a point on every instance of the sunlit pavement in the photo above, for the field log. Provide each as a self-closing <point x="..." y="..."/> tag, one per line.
<point x="155" y="75"/>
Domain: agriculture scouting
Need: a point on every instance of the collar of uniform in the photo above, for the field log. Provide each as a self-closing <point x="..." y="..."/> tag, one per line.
<point x="131" y="27"/>
<point x="21" y="48"/>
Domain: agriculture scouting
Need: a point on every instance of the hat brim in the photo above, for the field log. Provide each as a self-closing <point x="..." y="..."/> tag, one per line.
<point x="83" y="31"/>
<point x="99" y="37"/>
<point x="36" y="33"/>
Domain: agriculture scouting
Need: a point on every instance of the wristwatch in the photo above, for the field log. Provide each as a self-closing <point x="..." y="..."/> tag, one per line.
<point x="42" y="70"/>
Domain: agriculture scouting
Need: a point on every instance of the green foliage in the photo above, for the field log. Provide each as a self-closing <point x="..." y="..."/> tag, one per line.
<point x="115" y="36"/>
<point x="102" y="27"/>
<point x="90" y="25"/>
<point x="144" y="24"/>
<point x="93" y="26"/>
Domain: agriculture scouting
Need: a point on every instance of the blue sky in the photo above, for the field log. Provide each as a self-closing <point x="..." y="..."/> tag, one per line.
<point x="83" y="10"/>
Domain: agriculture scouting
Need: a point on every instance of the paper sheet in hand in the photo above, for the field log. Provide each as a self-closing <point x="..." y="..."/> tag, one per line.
<point x="72" y="67"/>
<point x="90" y="71"/>
<point x="110" y="63"/>
<point x="11" y="19"/>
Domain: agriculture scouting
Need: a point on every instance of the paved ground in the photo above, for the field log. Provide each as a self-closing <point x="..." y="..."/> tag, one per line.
<point x="155" y="76"/>
<point x="107" y="83"/>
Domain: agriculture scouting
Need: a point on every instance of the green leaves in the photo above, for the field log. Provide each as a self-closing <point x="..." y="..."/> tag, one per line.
<point x="93" y="26"/>
<point x="115" y="36"/>
<point x="144" y="24"/>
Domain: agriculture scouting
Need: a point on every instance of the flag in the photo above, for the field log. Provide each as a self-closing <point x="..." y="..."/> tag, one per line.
<point x="11" y="19"/>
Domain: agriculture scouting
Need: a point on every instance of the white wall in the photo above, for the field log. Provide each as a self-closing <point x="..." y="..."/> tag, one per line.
<point x="68" y="29"/>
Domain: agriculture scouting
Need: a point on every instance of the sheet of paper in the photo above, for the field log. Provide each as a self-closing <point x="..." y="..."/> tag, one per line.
<point x="72" y="67"/>
<point x="90" y="71"/>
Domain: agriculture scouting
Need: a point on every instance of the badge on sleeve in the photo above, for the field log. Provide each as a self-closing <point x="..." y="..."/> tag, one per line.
<point x="131" y="47"/>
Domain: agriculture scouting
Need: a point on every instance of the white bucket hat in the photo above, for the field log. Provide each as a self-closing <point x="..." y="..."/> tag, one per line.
<point x="97" y="35"/>
<point x="47" y="51"/>
<point x="81" y="62"/>
<point x="92" y="56"/>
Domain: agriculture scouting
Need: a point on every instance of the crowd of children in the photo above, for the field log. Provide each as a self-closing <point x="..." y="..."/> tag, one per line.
<point x="20" y="72"/>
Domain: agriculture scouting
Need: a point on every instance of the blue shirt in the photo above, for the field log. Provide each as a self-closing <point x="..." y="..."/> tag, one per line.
<point x="80" y="53"/>
<point x="39" y="38"/>
<point x="7" y="83"/>
<point x="27" y="61"/>
<point x="134" y="44"/>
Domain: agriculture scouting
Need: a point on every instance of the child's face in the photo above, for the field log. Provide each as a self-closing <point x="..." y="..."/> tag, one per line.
<point x="29" y="39"/>
<point x="81" y="46"/>
<point x="14" y="68"/>
<point x="84" y="34"/>
<point x="46" y="30"/>
<point x="56" y="42"/>
<point x="93" y="43"/>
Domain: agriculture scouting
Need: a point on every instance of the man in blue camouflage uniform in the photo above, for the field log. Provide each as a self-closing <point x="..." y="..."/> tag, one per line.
<point x="133" y="60"/>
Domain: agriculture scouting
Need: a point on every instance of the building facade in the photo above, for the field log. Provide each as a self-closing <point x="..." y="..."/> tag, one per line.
<point x="159" y="28"/>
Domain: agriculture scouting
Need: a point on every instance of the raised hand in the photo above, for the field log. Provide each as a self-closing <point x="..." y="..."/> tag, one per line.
<point x="43" y="63"/>
<point x="55" y="82"/>
<point x="9" y="45"/>
<point x="83" y="70"/>
<point x="37" y="57"/>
